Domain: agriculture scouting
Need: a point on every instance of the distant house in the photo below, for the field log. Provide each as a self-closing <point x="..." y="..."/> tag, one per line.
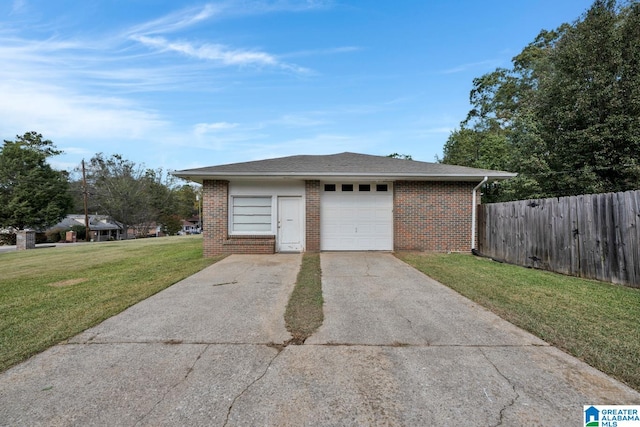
<point x="101" y="227"/>
<point x="151" y="229"/>
<point x="191" y="225"/>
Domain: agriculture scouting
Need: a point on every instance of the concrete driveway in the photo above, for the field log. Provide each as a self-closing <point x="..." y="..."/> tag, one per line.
<point x="396" y="348"/>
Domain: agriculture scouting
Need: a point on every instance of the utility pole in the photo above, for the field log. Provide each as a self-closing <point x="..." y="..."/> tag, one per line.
<point x="87" y="231"/>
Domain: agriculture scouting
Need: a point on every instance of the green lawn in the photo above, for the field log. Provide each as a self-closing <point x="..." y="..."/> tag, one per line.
<point x="594" y="321"/>
<point x="48" y="295"/>
<point x="304" y="311"/>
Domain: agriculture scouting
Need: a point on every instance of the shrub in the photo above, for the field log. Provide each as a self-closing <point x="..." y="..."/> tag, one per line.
<point x="81" y="232"/>
<point x="54" y="235"/>
<point x="7" y="239"/>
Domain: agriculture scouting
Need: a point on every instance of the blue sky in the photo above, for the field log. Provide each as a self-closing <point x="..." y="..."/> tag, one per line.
<point x="183" y="84"/>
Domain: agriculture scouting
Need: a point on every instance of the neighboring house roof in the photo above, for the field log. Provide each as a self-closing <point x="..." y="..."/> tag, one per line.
<point x="341" y="166"/>
<point x="96" y="222"/>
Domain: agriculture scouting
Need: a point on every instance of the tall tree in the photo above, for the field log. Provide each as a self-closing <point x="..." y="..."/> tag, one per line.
<point x="186" y="201"/>
<point x="137" y="197"/>
<point x="586" y="108"/>
<point x="123" y="190"/>
<point x="32" y="194"/>
<point x="565" y="116"/>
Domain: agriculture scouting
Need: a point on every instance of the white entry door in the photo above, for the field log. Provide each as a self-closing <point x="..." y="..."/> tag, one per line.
<point x="290" y="229"/>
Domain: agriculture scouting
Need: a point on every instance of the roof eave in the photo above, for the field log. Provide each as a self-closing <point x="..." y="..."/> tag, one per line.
<point x="201" y="177"/>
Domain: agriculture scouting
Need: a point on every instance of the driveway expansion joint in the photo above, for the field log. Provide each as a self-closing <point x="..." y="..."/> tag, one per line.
<point x="175" y="342"/>
<point x="425" y="345"/>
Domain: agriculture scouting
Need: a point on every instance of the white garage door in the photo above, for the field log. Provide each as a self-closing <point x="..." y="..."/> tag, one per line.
<point x="356" y="217"/>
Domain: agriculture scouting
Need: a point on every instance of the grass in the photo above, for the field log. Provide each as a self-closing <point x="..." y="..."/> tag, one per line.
<point x="595" y="321"/>
<point x="304" y="311"/>
<point x="50" y="295"/>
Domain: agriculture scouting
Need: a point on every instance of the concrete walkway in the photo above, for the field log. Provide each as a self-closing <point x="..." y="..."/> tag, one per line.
<point x="396" y="348"/>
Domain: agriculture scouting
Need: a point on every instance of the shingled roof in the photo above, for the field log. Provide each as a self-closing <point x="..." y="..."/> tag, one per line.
<point x="341" y="166"/>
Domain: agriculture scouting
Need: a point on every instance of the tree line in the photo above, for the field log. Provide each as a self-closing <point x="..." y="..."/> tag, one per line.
<point x="565" y="116"/>
<point x="34" y="195"/>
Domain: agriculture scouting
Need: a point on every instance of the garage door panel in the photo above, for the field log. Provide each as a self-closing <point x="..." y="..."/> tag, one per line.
<point x="332" y="229"/>
<point x="365" y="215"/>
<point x="346" y="229"/>
<point x="356" y="220"/>
<point x="381" y="214"/>
<point x="367" y="229"/>
<point x="380" y="229"/>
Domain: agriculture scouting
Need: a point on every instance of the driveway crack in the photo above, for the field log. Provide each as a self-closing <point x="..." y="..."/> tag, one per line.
<point x="513" y="400"/>
<point x="233" y="402"/>
<point x="186" y="375"/>
<point x="399" y="313"/>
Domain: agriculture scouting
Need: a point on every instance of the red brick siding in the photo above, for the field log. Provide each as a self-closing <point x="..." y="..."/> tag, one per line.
<point x="249" y="245"/>
<point x="312" y="215"/>
<point x="215" y="195"/>
<point x="428" y="216"/>
<point x="215" y="225"/>
<point x="432" y="216"/>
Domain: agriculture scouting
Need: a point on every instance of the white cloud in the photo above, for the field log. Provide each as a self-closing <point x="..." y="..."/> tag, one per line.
<point x="191" y="16"/>
<point x="177" y="21"/>
<point x="29" y="106"/>
<point x="218" y="53"/>
<point x="148" y="34"/>
<point x="215" y="52"/>
<point x="78" y="92"/>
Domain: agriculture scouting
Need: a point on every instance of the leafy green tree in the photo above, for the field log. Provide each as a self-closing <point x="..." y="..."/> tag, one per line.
<point x="81" y="232"/>
<point x="32" y="194"/>
<point x="137" y="197"/>
<point x="400" y="156"/>
<point x="120" y="189"/>
<point x="477" y="148"/>
<point x="565" y="116"/>
<point x="171" y="224"/>
<point x="186" y="201"/>
<point x="587" y="108"/>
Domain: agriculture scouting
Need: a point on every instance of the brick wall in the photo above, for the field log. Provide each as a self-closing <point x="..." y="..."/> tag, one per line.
<point x="432" y="216"/>
<point x="215" y="225"/>
<point x="428" y="216"/>
<point x="312" y="215"/>
<point x="249" y="245"/>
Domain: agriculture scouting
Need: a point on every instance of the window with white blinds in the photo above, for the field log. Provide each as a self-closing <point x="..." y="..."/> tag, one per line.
<point x="251" y="215"/>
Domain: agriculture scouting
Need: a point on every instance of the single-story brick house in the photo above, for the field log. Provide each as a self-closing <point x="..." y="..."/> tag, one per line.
<point x="346" y="201"/>
<point x="102" y="227"/>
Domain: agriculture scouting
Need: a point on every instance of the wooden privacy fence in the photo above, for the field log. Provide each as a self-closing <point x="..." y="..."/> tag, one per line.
<point x="594" y="236"/>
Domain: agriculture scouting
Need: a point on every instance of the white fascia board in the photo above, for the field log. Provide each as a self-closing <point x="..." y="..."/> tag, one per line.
<point x="200" y="177"/>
